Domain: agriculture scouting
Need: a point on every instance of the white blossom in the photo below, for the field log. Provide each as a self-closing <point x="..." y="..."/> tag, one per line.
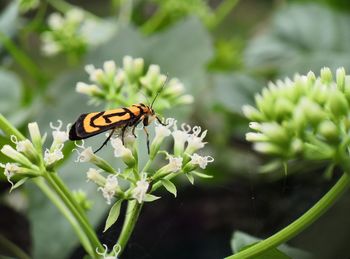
<point x="180" y="137"/>
<point x="109" y="188"/>
<point x="139" y="192"/>
<point x="195" y="140"/>
<point x="22" y="146"/>
<point x="116" y="250"/>
<point x="202" y="161"/>
<point x="86" y="155"/>
<point x="55" y="21"/>
<point x="59" y="136"/>
<point x="109" y="67"/>
<point x="50" y="157"/>
<point x="175" y="163"/>
<point x="87" y="89"/>
<point x="10" y="169"/>
<point x="121" y="151"/>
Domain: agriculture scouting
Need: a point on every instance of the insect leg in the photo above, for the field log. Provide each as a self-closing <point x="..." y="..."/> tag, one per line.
<point x="105" y="142"/>
<point x="164" y="124"/>
<point x="123" y="133"/>
<point x="147" y="135"/>
<point x="134" y="127"/>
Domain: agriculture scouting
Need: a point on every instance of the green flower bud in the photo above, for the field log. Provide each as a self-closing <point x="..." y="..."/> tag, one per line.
<point x="252" y="113"/>
<point x="341" y="78"/>
<point x="275" y="132"/>
<point x="329" y="131"/>
<point x="337" y="103"/>
<point x="268" y="148"/>
<point x="284" y="108"/>
<point x="313" y="112"/>
<point x="326" y="75"/>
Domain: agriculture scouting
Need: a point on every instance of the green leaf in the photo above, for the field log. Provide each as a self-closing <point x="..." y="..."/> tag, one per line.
<point x="232" y="91"/>
<point x="169" y="186"/>
<point x="9" y="19"/>
<point x="296" y="41"/>
<point x="241" y="241"/>
<point x="19" y="183"/>
<point x="151" y="197"/>
<point x="113" y="215"/>
<point x="201" y="175"/>
<point x="10" y="87"/>
<point x="190" y="178"/>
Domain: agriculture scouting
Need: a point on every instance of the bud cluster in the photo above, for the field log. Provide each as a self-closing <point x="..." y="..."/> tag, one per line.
<point x="131" y="84"/>
<point x="305" y="117"/>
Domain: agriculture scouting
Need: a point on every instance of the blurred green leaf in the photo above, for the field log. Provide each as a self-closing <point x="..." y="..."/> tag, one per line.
<point x="10" y="87"/>
<point x="241" y="241"/>
<point x="301" y="38"/>
<point x="9" y="19"/>
<point x="232" y="91"/>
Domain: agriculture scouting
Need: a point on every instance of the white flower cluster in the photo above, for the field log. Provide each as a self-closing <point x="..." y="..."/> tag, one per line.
<point x="27" y="154"/>
<point x="184" y="159"/>
<point x="130" y="82"/>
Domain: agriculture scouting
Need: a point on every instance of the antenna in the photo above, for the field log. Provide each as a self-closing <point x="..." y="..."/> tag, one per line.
<point x="166" y="80"/>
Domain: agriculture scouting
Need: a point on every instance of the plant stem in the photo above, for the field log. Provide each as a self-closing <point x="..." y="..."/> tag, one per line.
<point x="66" y="213"/>
<point x="300" y="224"/>
<point x="154" y="22"/>
<point x="88" y="230"/>
<point x="9" y="246"/>
<point x="8" y="129"/>
<point x="132" y="214"/>
<point x="23" y="60"/>
<point x="220" y="13"/>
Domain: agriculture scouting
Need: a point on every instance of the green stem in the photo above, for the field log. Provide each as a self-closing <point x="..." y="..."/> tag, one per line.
<point x="300" y="224"/>
<point x="89" y="232"/>
<point x="125" y="12"/>
<point x="9" y="246"/>
<point x="154" y="22"/>
<point x="67" y="193"/>
<point x="66" y="213"/>
<point x="8" y="129"/>
<point x="132" y="214"/>
<point x="159" y="184"/>
<point x="61" y="6"/>
<point x="220" y="13"/>
<point x="23" y="60"/>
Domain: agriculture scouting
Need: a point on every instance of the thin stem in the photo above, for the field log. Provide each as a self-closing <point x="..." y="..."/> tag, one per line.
<point x="23" y="60"/>
<point x="159" y="184"/>
<point x="66" y="213"/>
<point x="8" y="129"/>
<point x="11" y="247"/>
<point x="89" y="232"/>
<point x="154" y="22"/>
<point x="132" y="214"/>
<point x="67" y="193"/>
<point x="300" y="224"/>
<point x="61" y="6"/>
<point x="125" y="12"/>
<point x="221" y="12"/>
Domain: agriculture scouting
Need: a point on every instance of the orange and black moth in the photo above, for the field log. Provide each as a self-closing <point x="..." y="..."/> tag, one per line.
<point x="91" y="124"/>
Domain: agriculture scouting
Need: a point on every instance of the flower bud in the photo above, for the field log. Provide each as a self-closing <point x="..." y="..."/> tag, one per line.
<point x="252" y="113"/>
<point x="275" y="132"/>
<point x="329" y="130"/>
<point x="341" y="78"/>
<point x="337" y="103"/>
<point x="326" y="75"/>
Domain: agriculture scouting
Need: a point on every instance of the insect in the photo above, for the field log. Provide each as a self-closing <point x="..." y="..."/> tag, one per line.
<point x="91" y="124"/>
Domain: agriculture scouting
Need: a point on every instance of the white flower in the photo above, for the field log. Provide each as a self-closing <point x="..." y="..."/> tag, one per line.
<point x="55" y="21"/>
<point x="22" y="146"/>
<point x="10" y="152"/>
<point x="121" y="151"/>
<point x="185" y="99"/>
<point x="175" y="163"/>
<point x="10" y="169"/>
<point x="86" y="155"/>
<point x="50" y="157"/>
<point x="87" y="89"/>
<point x="180" y="137"/>
<point x="95" y="74"/>
<point x="116" y="250"/>
<point x="195" y="140"/>
<point x="164" y="131"/>
<point x="139" y="192"/>
<point x="75" y="15"/>
<point x="93" y="174"/>
<point x="59" y="136"/>
<point x="109" y="67"/>
<point x="50" y="47"/>
<point x="174" y="87"/>
<point x="202" y="161"/>
<point x="109" y="188"/>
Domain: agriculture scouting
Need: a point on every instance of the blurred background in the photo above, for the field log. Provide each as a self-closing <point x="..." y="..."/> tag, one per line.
<point x="224" y="52"/>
